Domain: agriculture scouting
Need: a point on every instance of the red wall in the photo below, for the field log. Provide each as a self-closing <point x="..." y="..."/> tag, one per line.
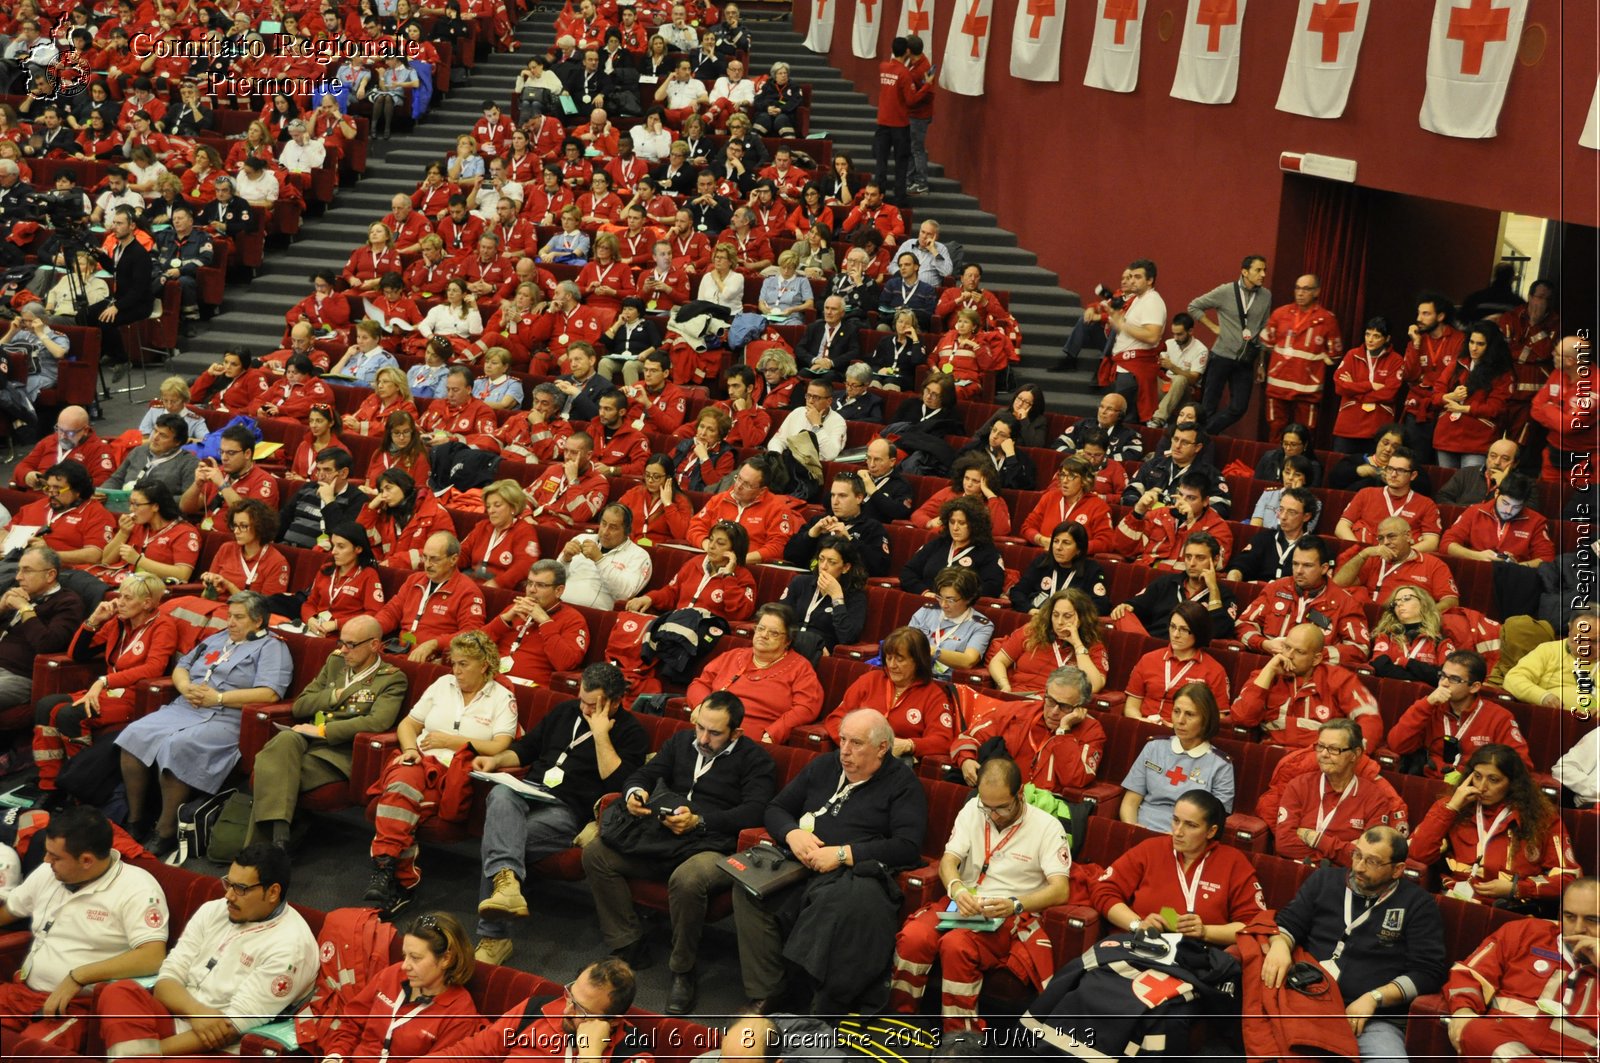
<point x="1095" y="158"/>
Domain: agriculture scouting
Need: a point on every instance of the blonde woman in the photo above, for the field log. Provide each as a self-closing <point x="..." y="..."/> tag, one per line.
<point x="64" y="304"/>
<point x="722" y="284"/>
<point x="173" y="397"/>
<point x="502" y="548"/>
<point x="1409" y="640"/>
<point x="465" y="713"/>
<point x="497" y="387"/>
<point x="786" y="296"/>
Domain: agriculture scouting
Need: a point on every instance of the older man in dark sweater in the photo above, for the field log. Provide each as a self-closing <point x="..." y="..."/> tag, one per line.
<point x="853" y="817"/>
<point x="37" y="616"/>
<point x="716" y="782"/>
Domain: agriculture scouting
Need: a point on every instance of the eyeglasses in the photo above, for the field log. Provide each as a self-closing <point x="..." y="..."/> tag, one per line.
<point x="1000" y="811"/>
<point x="945" y="599"/>
<point x="347" y="644"/>
<point x="240" y="888"/>
<point x="541" y="585"/>
<point x="1454" y="680"/>
<point x="572" y="1003"/>
<point x="1323" y="747"/>
<point x="1360" y="859"/>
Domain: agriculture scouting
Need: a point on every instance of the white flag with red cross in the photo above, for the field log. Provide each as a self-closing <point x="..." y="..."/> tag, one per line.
<point x="1208" y="57"/>
<point x="916" y="20"/>
<point x="966" y="47"/>
<point x="1590" y="137"/>
<point x="864" y="29"/>
<point x="1471" y="52"/>
<point x="1036" y="40"/>
<point x="819" y="35"/>
<point x="1114" y="51"/>
<point x="1322" y="57"/>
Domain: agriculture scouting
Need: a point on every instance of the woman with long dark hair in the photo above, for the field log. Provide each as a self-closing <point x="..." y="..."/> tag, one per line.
<point x="1065" y="563"/>
<point x="831" y="600"/>
<point x="403" y="448"/>
<point x="1501" y="839"/>
<point x="347" y="586"/>
<point x="400" y="518"/>
<point x="1471" y="398"/>
<point x="966" y="540"/>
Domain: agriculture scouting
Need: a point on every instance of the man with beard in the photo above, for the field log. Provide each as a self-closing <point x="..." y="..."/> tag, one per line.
<point x="1376" y="932"/>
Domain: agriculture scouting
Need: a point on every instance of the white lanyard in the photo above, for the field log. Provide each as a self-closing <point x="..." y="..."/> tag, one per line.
<point x="427" y="593"/>
<point x="249" y="572"/>
<point x="939" y="634"/>
<point x="1066" y="513"/>
<point x="956" y="555"/>
<point x="211" y="670"/>
<point x="333" y="583"/>
<point x="577" y="740"/>
<point x="1246" y="304"/>
<point x="1190" y="886"/>
<point x="840" y="795"/>
<point x="494" y="541"/>
<point x="1486" y="836"/>
<point x="1326" y="818"/>
<point x="1062" y="662"/>
<point x="129" y="639"/>
<point x="817" y="599"/>
<point x="650" y="510"/>
<point x="1174" y="680"/>
<point x="1387" y="569"/>
<point x="362" y="676"/>
<point x="707" y="575"/>
<point x="1353" y="921"/>
<point x="521" y="633"/>
<point x="1415" y="648"/>
<point x="1283" y="552"/>
<point x="1303" y="603"/>
<point x="600" y="275"/>
<point x="1390" y="506"/>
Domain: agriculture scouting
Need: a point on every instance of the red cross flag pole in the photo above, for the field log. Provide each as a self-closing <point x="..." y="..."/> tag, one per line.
<point x="1114" y="51"/>
<point x="966" y="48"/>
<point x="1472" y="50"/>
<point x="916" y="20"/>
<point x="1208" y="57"/>
<point x="1322" y="57"/>
<point x="1036" y="40"/>
<point x="864" y="29"/>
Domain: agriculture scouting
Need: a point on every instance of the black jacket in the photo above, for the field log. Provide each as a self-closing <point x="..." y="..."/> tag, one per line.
<point x="1258" y="561"/>
<point x="869" y="407"/>
<point x="1154" y="605"/>
<point x="304" y="517"/>
<point x="833" y="624"/>
<point x="865" y="530"/>
<point x="933" y="558"/>
<point x="1160" y="471"/>
<point x="582" y="785"/>
<point x="945" y="422"/>
<point x="578" y="86"/>
<point x="1014" y="473"/>
<point x="132" y="283"/>
<point x="895" y="361"/>
<point x="884" y="819"/>
<point x="731" y="796"/>
<point x="845" y="348"/>
<point x="1126" y="443"/>
<point x="892" y="501"/>
<point x="1044" y="577"/>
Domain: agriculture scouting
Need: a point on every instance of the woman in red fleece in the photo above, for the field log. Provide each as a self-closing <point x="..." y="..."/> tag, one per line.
<point x="921" y="711"/>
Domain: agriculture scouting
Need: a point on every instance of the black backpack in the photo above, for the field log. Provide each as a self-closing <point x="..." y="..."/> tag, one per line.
<point x="462" y="467"/>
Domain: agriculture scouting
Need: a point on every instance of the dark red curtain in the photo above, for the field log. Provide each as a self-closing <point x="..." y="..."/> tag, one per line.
<point x="1337" y="229"/>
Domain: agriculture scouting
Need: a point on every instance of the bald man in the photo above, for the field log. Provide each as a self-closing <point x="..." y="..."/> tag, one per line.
<point x="1374" y="573"/>
<point x="1304" y="340"/>
<point x="73" y="438"/>
<point x="356" y="692"/>
<point x="1298" y="691"/>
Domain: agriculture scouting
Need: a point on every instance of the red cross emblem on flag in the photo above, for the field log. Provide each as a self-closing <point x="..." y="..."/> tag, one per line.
<point x="917" y="18"/>
<point x="1332" y="19"/>
<point x="1039" y="10"/>
<point x="1213" y="15"/>
<point x="1121" y="12"/>
<point x="1475" y="26"/>
<point x="975" y="26"/>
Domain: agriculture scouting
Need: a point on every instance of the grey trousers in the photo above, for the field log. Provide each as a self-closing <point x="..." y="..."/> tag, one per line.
<point x="15" y="689"/>
<point x="518" y="832"/>
<point x="689" y="889"/>
<point x="283" y="772"/>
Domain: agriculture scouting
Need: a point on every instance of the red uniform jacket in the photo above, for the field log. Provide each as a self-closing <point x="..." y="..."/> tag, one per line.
<point x="234" y="396"/>
<point x="500" y="272"/>
<point x="1147" y="879"/>
<point x="1520" y="964"/>
<point x="256" y="483"/>
<point x="1281" y="605"/>
<point x="1423" y="364"/>
<point x="777" y="699"/>
<point x="731" y="595"/>
<point x="393" y="545"/>
<point x="1365" y="803"/>
<point x="291" y="402"/>
<point x="433" y="201"/>
<point x="1158" y="539"/>
<point x="410" y="231"/>
<point x="332" y="312"/>
<point x="375" y="414"/>
<point x="1370" y="506"/>
<point x="1293" y="709"/>
<point x="343" y="597"/>
<point x="999" y="512"/>
<point x="1030" y="667"/>
<point x="1367" y="386"/>
<point x="886" y="218"/>
<point x="508" y="561"/>
<point x="627" y="448"/>
<point x="674" y="288"/>
<point x="1532" y="348"/>
<point x="542" y="441"/>
<point x="1542" y="872"/>
<point x="924" y="713"/>
<point x="450" y="1017"/>
<point x="509" y="1038"/>
<point x="654" y="519"/>
<point x="91" y="452"/>
<point x="460" y="238"/>
<point x="538" y="651"/>
<point x="618" y="275"/>
<point x="455" y="606"/>
<point x="494" y="138"/>
<point x="473" y="417"/>
<point x="269" y="575"/>
<point x="666" y="410"/>
<point x="1424" y="725"/>
<point x="559" y="503"/>
<point x="1470" y="433"/>
<point x="769" y="520"/>
<point x="1304" y="343"/>
<point x="365" y="265"/>
<point x="517" y="239"/>
<point x="1524" y="537"/>
<point x="692" y="251"/>
<point x="176" y="544"/>
<point x="569" y="327"/>
<point x="1051" y="761"/>
<point x="1089" y="511"/>
<point x="132" y="656"/>
<point x="1378" y="579"/>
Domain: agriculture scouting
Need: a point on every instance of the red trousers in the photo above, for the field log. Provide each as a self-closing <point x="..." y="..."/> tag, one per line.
<point x="1282" y="412"/>
<point x="129" y="1012"/>
<point x="66" y="734"/>
<point x="1505" y="1037"/>
<point x="409" y="794"/>
<point x="963" y="955"/>
<point x="1144" y="367"/>
<point x="20" y="1021"/>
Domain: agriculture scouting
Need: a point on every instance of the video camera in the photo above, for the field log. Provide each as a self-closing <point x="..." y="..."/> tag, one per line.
<point x="1110" y="298"/>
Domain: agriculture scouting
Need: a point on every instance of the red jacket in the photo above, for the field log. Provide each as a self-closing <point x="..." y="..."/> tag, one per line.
<point x="344" y="597"/>
<point x="513" y="554"/>
<point x="1157" y="677"/>
<point x="1566" y="406"/>
<point x="1368" y="509"/>
<point x="231" y="397"/>
<point x="1030" y="667"/>
<point x="1422" y="725"/>
<point x="538" y="651"/>
<point x="1376" y="581"/>
<point x="1158" y="539"/>
<point x="333" y="312"/>
<point x="460" y="238"/>
<point x="924" y="713"/>
<point x="1049" y="760"/>
<point x="91" y="452"/>
<point x="393" y="545"/>
<point x="652" y="519"/>
<point x="365" y="265"/>
<point x="666" y="410"/>
<point x="1541" y="873"/>
<point x="361" y="1037"/>
<point x="769" y="520"/>
<point x="1293" y="709"/>
<point x="131" y="657"/>
<point x="455" y="606"/>
<point x="898" y="92"/>
<point x="1423" y="364"/>
<point x="291" y="402"/>
<point x="1519" y="965"/>
<point x="1369" y="802"/>
<point x="1524" y="537"/>
<point x="557" y="502"/>
<point x="1367" y="386"/>
<point x="777" y="699"/>
<point x="627" y="449"/>
<point x="1089" y="511"/>
<point x="508" y="1037"/>
<point x="1304" y="343"/>
<point x="1280" y="606"/>
<point x="731" y="595"/>
<point x="473" y="417"/>
<point x="1146" y="879"/>
<point x="543" y="440"/>
<point x="1470" y="433"/>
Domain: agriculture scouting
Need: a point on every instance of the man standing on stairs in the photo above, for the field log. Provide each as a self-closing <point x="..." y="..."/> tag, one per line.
<point x="1234" y="313"/>
<point x="921" y="114"/>
<point x="898" y="92"/>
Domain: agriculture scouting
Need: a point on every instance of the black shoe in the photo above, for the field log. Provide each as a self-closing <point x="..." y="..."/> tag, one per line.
<point x="381" y="884"/>
<point x="636" y="955"/>
<point x="403" y="896"/>
<point x="685" y="988"/>
<point x="161" y="846"/>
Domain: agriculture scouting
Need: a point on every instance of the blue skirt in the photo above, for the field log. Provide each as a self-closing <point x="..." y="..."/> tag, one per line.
<point x="198" y="746"/>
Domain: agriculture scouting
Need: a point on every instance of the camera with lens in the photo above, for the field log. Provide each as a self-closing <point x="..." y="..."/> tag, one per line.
<point x="1112" y="298"/>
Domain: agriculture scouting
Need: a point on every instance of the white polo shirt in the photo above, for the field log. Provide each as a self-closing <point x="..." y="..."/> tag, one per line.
<point x="492" y="712"/>
<point x="121" y="910"/>
<point x="1020" y="858"/>
<point x="250" y="972"/>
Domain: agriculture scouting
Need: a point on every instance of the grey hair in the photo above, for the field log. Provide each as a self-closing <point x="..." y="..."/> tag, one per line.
<point x="931" y="224"/>
<point x="50" y="558"/>
<point x="882" y="732"/>
<point x="1073" y="677"/>
<point x="779" y="67"/>
<point x="605" y="677"/>
<point x="297" y="126"/>
<point x="571" y="288"/>
<point x="860" y="372"/>
<point x="255" y="605"/>
<point x="552" y="392"/>
<point x="551" y="566"/>
<point x="1347" y="728"/>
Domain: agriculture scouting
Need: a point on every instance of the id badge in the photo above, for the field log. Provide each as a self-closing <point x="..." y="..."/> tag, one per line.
<point x="808" y="823"/>
<point x="505" y="666"/>
<point x="553" y="776"/>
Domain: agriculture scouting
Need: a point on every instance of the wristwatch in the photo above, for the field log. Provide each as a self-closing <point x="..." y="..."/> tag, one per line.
<point x="1377" y="996"/>
<point x="1016" y="906"/>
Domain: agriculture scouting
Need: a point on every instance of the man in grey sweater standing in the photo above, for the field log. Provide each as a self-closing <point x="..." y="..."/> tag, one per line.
<point x="1235" y="313"/>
